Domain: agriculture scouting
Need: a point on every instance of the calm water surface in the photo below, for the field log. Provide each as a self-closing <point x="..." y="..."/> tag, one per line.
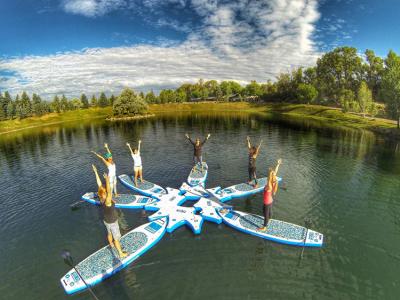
<point x="346" y="182"/>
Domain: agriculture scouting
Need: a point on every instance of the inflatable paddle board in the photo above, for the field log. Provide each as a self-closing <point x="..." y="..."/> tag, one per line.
<point x="105" y="262"/>
<point x="169" y="206"/>
<point x="277" y="231"/>
<point x="198" y="175"/>
<point x="239" y="190"/>
<point x="145" y="188"/>
<point x="121" y="201"/>
<point x="208" y="210"/>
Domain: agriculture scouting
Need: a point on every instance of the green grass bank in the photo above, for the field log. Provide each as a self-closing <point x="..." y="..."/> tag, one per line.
<point x="332" y="116"/>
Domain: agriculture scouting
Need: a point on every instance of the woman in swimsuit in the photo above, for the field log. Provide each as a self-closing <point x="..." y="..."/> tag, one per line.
<point x="137" y="162"/>
<point x="112" y="170"/>
<point x="253" y="153"/>
<point x="270" y="189"/>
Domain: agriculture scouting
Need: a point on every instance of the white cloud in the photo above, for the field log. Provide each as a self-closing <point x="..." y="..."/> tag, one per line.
<point x="91" y="8"/>
<point x="241" y="41"/>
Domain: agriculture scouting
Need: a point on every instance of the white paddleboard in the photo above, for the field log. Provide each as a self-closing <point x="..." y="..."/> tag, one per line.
<point x="105" y="262"/>
<point x="145" y="188"/>
<point x="277" y="231"/>
<point x="198" y="175"/>
<point x="239" y="190"/>
<point x="122" y="200"/>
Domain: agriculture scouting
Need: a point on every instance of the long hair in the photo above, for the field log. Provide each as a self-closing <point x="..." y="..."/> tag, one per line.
<point x="102" y="193"/>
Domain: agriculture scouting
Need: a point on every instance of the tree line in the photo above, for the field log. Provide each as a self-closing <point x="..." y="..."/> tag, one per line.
<point x="341" y="78"/>
<point x="23" y="106"/>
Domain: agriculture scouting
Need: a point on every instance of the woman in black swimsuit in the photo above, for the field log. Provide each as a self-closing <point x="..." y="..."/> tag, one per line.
<point x="253" y="152"/>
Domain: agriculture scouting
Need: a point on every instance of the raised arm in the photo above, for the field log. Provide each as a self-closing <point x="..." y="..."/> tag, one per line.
<point x="188" y="137"/>
<point x="206" y="139"/>
<point x="108" y="149"/>
<point x="101" y="157"/>
<point x="98" y="180"/>
<point x="129" y="146"/>
<point x="138" y="146"/>
<point x="279" y="162"/>
<point x="248" y="143"/>
<point x="258" y="147"/>
<point x="108" y="189"/>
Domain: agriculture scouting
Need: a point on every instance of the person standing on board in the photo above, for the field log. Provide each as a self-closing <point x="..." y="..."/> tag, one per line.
<point x="110" y="218"/>
<point x="253" y="153"/>
<point x="197" y="149"/>
<point x="137" y="162"/>
<point x="270" y="189"/>
<point x="112" y="170"/>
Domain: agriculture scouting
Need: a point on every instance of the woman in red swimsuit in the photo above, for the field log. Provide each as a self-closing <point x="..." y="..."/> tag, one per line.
<point x="269" y="190"/>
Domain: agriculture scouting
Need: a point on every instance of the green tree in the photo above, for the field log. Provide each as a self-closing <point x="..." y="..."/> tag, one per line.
<point x="10" y="109"/>
<point x="39" y="107"/>
<point x="55" y="105"/>
<point x="64" y="104"/>
<point x="3" y="108"/>
<point x="306" y="93"/>
<point x="340" y="69"/>
<point x="390" y="91"/>
<point x="253" y="89"/>
<point x="167" y="96"/>
<point x="374" y="72"/>
<point x="75" y="104"/>
<point x="93" y="101"/>
<point x="364" y="98"/>
<point x="347" y="101"/>
<point x="112" y="99"/>
<point x="128" y="103"/>
<point x="84" y="101"/>
<point x="5" y="100"/>
<point x="150" y="97"/>
<point x="103" y="101"/>
<point x="25" y="106"/>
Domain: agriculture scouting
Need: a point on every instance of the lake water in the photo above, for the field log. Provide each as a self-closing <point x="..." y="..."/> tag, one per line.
<point x="346" y="182"/>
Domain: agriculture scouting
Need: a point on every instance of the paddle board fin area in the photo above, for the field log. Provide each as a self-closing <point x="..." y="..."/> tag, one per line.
<point x="198" y="175"/>
<point x="106" y="261"/>
<point x="145" y="188"/>
<point x="277" y="231"/>
<point x="121" y="201"/>
<point x="239" y="190"/>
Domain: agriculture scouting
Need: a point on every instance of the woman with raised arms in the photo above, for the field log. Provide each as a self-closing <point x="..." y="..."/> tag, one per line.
<point x="110" y="215"/>
<point x="270" y="189"/>
<point x="112" y="170"/>
<point x="137" y="162"/>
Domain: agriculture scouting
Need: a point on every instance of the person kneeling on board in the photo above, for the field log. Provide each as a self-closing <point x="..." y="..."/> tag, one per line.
<point x="270" y="189"/>
<point x="110" y="216"/>
<point x="197" y="149"/>
<point x="112" y="170"/>
<point x="137" y="162"/>
<point x="253" y="153"/>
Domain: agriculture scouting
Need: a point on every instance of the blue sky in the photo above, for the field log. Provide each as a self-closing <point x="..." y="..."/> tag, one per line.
<point x="74" y="46"/>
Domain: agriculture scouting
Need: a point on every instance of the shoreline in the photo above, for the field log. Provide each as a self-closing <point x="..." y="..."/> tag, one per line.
<point x="332" y="116"/>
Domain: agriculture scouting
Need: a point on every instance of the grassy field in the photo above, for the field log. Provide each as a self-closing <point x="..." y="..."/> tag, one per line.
<point x="332" y="116"/>
<point x="54" y="118"/>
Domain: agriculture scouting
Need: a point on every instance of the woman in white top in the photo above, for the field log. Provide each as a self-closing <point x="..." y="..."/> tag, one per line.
<point x="112" y="170"/>
<point x="137" y="162"/>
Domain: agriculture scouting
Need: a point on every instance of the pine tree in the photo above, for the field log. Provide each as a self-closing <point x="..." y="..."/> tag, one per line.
<point x="84" y="100"/>
<point x="3" y="111"/>
<point x="150" y="97"/>
<point x="55" y="105"/>
<point x="112" y="99"/>
<point x="93" y="101"/>
<point x="10" y="109"/>
<point x="37" y="107"/>
<point x="64" y="105"/>
<point x="103" y="101"/>
<point x="25" y="106"/>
